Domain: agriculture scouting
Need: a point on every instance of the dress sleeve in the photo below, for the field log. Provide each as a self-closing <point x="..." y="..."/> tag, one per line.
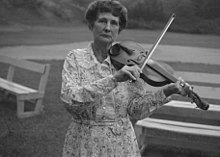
<point x="72" y="90"/>
<point x="141" y="106"/>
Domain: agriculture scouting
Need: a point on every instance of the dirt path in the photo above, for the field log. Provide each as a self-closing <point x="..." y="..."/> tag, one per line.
<point x="163" y="52"/>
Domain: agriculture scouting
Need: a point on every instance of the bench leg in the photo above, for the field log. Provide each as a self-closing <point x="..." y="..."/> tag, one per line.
<point x="20" y="108"/>
<point x="138" y="132"/>
<point x="141" y="139"/>
<point x="38" y="106"/>
<point x="21" y="113"/>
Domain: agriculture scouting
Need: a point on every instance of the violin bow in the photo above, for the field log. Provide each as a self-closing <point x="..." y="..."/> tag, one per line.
<point x="157" y="41"/>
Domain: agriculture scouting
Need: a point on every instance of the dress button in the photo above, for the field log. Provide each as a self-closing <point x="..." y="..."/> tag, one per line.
<point x="104" y="108"/>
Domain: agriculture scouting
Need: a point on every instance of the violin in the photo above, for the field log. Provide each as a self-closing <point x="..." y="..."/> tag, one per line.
<point x="153" y="72"/>
<point x="122" y="55"/>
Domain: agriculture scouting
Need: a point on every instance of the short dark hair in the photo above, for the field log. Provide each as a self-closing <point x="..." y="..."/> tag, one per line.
<point x="107" y="6"/>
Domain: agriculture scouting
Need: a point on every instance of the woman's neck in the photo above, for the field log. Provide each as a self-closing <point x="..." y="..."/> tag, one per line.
<point x="100" y="51"/>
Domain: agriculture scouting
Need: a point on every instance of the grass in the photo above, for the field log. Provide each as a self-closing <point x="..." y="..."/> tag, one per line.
<point x="43" y="135"/>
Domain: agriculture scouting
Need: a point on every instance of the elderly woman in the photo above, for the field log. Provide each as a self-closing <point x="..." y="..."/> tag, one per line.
<point x="101" y="98"/>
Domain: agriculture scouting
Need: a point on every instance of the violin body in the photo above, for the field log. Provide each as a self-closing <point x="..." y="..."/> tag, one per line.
<point x="154" y="73"/>
<point x="136" y="54"/>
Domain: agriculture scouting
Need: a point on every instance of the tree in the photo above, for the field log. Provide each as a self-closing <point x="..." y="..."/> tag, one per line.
<point x="208" y="9"/>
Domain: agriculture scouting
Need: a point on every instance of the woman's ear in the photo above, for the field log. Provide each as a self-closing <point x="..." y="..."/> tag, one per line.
<point x="90" y="26"/>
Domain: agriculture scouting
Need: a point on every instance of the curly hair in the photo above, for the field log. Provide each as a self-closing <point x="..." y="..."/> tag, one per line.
<point x="107" y="6"/>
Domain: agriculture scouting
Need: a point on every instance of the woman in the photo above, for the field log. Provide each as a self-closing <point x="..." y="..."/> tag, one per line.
<point x="100" y="98"/>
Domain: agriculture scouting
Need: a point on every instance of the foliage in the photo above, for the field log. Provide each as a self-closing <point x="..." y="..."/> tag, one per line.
<point x="207" y="9"/>
<point x="192" y="16"/>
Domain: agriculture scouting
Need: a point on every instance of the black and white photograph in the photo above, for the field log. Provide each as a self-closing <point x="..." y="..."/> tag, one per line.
<point x="109" y="78"/>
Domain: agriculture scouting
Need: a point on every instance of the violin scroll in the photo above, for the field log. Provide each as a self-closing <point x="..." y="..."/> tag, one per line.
<point x="198" y="101"/>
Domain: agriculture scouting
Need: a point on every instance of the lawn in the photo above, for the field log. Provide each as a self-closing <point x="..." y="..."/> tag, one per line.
<point x="43" y="135"/>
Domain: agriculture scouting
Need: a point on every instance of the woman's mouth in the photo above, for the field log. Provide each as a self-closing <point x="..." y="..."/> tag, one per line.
<point x="106" y="36"/>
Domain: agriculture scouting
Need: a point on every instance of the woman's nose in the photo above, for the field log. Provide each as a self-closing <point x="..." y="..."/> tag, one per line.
<point x="108" y="26"/>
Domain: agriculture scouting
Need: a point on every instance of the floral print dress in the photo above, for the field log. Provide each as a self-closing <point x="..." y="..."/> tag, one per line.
<point x="101" y="107"/>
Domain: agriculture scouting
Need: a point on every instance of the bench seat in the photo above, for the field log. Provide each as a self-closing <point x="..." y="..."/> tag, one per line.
<point x="179" y="124"/>
<point x="181" y="127"/>
<point x="20" y="91"/>
<point x="15" y="87"/>
<point x="180" y="134"/>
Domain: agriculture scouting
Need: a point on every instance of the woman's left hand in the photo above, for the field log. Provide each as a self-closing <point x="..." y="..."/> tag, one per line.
<point x="183" y="88"/>
<point x="180" y="87"/>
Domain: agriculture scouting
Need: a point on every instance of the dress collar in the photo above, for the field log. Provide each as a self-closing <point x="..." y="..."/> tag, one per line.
<point x="107" y="60"/>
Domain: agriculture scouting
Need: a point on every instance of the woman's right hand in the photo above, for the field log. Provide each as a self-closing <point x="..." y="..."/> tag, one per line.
<point x="127" y="73"/>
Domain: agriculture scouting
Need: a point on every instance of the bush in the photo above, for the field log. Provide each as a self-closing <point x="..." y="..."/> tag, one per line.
<point x="141" y="24"/>
<point x="208" y="26"/>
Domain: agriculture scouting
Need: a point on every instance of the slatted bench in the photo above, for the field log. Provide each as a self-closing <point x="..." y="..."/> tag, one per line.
<point x="179" y="124"/>
<point x="22" y="92"/>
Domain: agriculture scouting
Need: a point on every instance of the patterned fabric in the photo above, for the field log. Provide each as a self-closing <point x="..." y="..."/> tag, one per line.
<point x="101" y="107"/>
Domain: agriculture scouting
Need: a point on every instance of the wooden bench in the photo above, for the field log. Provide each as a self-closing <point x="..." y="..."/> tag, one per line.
<point x="179" y="124"/>
<point x="23" y="93"/>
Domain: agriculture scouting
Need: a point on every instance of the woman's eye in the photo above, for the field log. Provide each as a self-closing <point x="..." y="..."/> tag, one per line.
<point x="102" y="21"/>
<point x="114" y="23"/>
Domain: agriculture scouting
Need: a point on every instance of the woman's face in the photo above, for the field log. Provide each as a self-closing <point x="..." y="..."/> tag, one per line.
<point x="106" y="28"/>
